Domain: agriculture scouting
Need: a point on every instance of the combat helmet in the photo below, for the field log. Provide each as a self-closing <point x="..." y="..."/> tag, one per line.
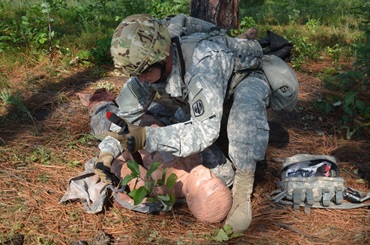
<point x="139" y="41"/>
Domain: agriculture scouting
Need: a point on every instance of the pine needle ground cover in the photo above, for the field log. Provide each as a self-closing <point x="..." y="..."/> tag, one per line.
<point x="50" y="143"/>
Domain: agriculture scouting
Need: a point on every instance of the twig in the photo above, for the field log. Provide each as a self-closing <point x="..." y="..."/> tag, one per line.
<point x="50" y="166"/>
<point x="287" y="227"/>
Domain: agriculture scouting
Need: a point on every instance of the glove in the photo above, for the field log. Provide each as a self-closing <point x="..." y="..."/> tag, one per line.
<point x="134" y="140"/>
<point x="102" y="167"/>
<point x="136" y="137"/>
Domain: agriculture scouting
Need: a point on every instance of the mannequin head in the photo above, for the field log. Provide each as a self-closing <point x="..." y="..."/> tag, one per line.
<point x="208" y="198"/>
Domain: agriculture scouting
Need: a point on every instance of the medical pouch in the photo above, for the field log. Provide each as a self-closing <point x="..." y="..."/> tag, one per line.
<point x="313" y="181"/>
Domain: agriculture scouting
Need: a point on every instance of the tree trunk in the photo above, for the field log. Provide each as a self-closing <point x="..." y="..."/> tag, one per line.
<point x="223" y="13"/>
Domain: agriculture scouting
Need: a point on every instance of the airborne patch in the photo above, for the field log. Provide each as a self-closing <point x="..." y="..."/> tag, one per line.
<point x="199" y="105"/>
<point x="198" y="108"/>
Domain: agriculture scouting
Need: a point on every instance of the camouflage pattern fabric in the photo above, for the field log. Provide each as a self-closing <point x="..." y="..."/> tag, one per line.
<point x="204" y="89"/>
<point x="138" y="42"/>
<point x="111" y="145"/>
<point x="247" y="128"/>
<point x="207" y="78"/>
<point x="182" y="25"/>
<point x="99" y="122"/>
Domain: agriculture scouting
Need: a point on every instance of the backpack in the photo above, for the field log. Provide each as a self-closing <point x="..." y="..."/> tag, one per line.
<point x="283" y="82"/>
<point x="276" y="45"/>
<point x="248" y="56"/>
<point x="313" y="181"/>
<point x="267" y="53"/>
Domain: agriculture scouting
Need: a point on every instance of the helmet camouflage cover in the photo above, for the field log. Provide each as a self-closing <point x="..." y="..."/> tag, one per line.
<point x="139" y="41"/>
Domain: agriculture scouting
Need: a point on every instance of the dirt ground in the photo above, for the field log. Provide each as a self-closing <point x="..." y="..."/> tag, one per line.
<point x="39" y="157"/>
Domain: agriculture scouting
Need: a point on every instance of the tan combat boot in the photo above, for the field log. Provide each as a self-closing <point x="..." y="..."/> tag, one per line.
<point x="240" y="215"/>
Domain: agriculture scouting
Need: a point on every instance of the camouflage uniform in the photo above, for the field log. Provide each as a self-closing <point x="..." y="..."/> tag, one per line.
<point x="205" y="90"/>
<point x="208" y="71"/>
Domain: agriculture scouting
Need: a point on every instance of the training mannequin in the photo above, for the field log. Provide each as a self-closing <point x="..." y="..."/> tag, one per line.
<point x="208" y="199"/>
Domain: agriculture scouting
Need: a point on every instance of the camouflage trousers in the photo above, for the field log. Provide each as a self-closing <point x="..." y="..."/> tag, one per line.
<point x="247" y="126"/>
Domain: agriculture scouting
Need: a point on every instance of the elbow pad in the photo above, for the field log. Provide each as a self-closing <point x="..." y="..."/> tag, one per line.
<point x="134" y="99"/>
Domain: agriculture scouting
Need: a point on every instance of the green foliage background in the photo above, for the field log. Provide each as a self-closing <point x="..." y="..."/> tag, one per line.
<point x="70" y="33"/>
<point x="66" y="27"/>
<point x="281" y="12"/>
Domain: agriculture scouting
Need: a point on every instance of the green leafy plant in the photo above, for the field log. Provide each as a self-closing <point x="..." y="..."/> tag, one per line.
<point x="304" y="48"/>
<point x="246" y="23"/>
<point x="294" y="16"/>
<point x="225" y="234"/>
<point x="138" y="194"/>
<point x="313" y="24"/>
<point x="31" y="30"/>
<point x="335" y="52"/>
<point x="101" y="53"/>
<point x="161" y="8"/>
<point x="83" y="139"/>
<point x="82" y="58"/>
<point x="303" y="51"/>
<point x="16" y="101"/>
<point x="74" y="163"/>
<point x="41" y="155"/>
<point x="354" y="111"/>
<point x="352" y="85"/>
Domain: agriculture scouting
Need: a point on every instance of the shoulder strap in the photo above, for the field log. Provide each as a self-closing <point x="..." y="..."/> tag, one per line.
<point x="176" y="41"/>
<point x="186" y="44"/>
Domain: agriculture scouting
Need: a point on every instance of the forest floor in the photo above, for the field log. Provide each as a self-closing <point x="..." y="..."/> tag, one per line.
<point x="38" y="158"/>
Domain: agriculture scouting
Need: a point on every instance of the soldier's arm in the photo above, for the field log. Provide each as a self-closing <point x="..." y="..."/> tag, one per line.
<point x="134" y="100"/>
<point x="208" y="85"/>
<point x="182" y="25"/>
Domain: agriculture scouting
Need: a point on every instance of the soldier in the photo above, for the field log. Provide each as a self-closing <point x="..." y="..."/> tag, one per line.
<point x="194" y="64"/>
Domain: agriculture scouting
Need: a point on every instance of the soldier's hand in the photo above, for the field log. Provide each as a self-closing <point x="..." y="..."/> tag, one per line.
<point x="136" y="137"/>
<point x="134" y="140"/>
<point x="102" y="167"/>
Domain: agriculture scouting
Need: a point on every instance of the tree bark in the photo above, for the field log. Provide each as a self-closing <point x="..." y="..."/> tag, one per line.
<point x="223" y="13"/>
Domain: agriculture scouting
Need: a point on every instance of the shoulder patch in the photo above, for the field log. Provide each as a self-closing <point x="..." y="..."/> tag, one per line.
<point x="198" y="108"/>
